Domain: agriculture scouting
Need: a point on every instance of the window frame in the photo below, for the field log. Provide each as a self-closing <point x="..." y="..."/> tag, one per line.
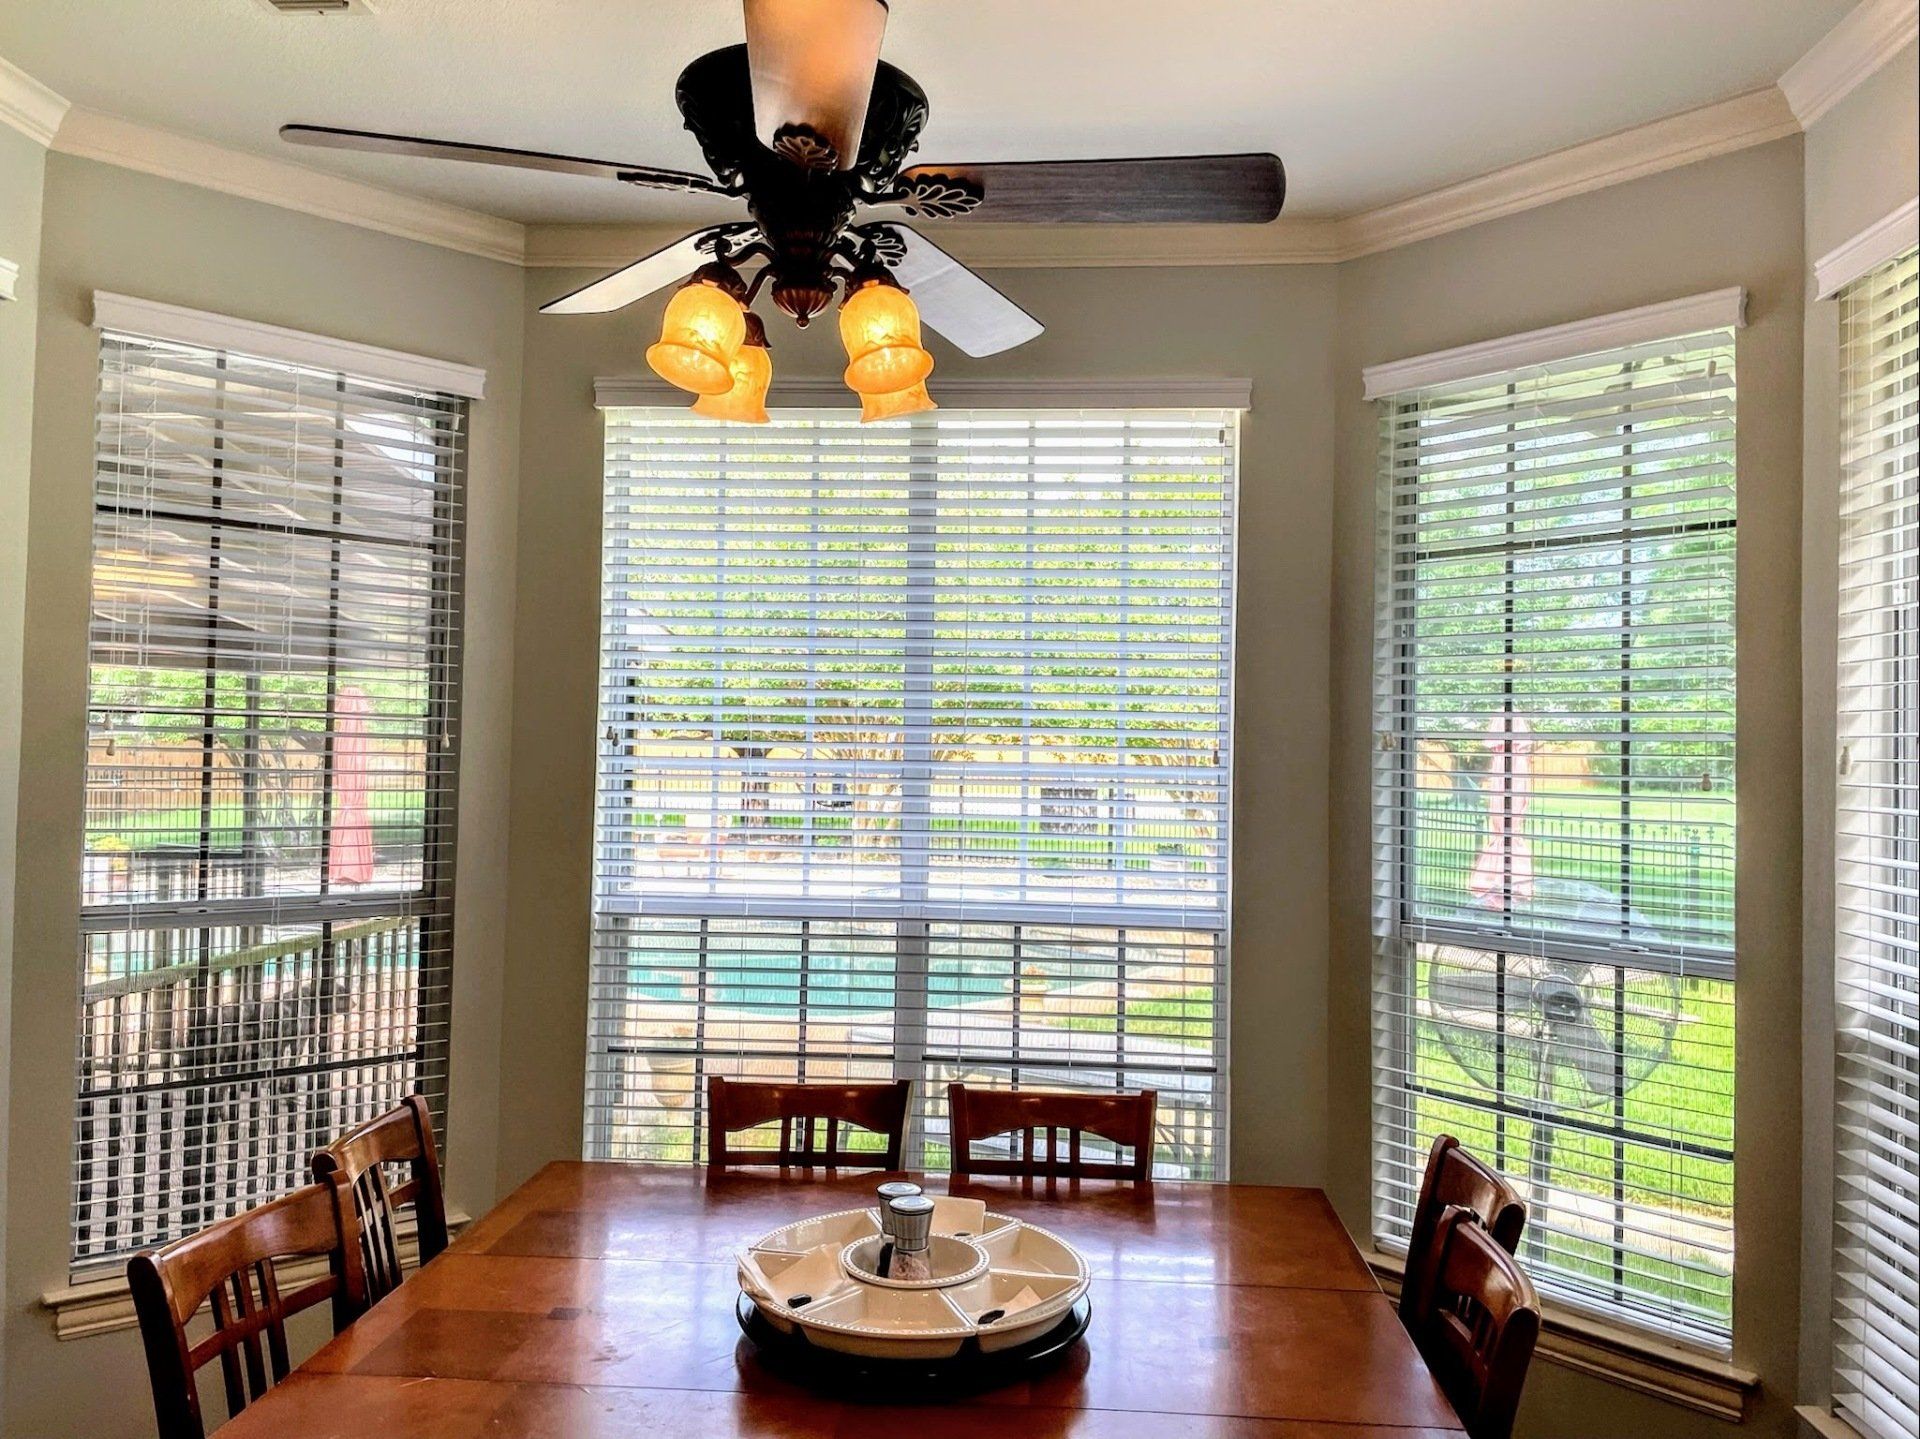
<point x="921" y="925"/>
<point x="422" y="906"/>
<point x="1401" y="928"/>
<point x="1877" y="708"/>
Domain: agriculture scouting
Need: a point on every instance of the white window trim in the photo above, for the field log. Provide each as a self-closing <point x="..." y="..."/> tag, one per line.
<point x="9" y="280"/>
<point x="126" y="315"/>
<point x="1715" y="310"/>
<point x="613" y="392"/>
<point x="1891" y="235"/>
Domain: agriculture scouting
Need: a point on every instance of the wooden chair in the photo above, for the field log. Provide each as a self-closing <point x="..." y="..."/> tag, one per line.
<point x="1126" y="1119"/>
<point x="233" y="1263"/>
<point x="401" y="1136"/>
<point x="1455" y="1177"/>
<point x="1480" y="1325"/>
<point x="802" y="1109"/>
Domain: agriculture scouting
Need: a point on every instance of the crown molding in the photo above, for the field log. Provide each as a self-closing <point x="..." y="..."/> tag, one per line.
<point x="27" y="105"/>
<point x="1890" y="235"/>
<point x="1666" y="144"/>
<point x="125" y="314"/>
<point x="963" y="392"/>
<point x="1691" y="315"/>
<point x="9" y="280"/>
<point x="93" y="135"/>
<point x="1872" y="33"/>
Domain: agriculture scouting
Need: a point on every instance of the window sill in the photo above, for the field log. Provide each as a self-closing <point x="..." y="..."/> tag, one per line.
<point x="1824" y="1422"/>
<point x="1624" y="1356"/>
<point x="104" y="1305"/>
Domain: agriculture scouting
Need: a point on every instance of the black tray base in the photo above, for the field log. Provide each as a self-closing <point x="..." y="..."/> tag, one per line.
<point x="906" y="1381"/>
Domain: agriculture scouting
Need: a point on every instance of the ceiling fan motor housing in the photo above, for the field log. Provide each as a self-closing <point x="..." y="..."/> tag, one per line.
<point x="801" y="197"/>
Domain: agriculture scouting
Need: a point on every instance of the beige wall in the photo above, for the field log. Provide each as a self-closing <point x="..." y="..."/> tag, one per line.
<point x="1730" y="221"/>
<point x="108" y="228"/>
<point x="1272" y="325"/>
<point x="22" y="175"/>
<point x="1863" y="157"/>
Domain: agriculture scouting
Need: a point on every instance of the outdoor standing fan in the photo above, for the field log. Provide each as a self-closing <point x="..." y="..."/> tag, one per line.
<point x="807" y="125"/>
<point x="1566" y="1039"/>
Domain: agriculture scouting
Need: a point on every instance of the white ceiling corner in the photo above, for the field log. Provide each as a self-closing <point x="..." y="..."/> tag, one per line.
<point x="27" y="105"/>
<point x="424" y="201"/>
<point x="1872" y="33"/>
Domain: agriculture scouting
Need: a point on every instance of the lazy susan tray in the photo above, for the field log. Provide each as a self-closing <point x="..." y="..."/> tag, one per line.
<point x="998" y="1285"/>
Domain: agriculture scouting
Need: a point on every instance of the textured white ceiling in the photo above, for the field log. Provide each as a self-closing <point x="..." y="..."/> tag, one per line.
<point x="1368" y="101"/>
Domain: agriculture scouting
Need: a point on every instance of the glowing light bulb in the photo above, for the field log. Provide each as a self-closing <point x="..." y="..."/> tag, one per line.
<point x="910" y="401"/>
<point x="880" y="327"/>
<point x="699" y="335"/>
<point x="752" y="369"/>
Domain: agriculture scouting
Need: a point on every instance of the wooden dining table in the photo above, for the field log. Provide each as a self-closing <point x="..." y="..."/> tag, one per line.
<point x="598" y="1300"/>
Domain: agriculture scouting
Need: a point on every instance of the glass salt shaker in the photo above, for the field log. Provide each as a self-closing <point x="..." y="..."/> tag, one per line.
<point x="911" y="1226"/>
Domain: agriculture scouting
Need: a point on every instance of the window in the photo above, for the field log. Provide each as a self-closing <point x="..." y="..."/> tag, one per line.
<point x="272" y="725"/>
<point x="1876" y="1278"/>
<point x="1554" y="812"/>
<point x="913" y="763"/>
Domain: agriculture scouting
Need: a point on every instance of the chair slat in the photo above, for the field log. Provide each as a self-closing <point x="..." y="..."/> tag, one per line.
<point x="1046" y="1123"/>
<point x="1479" y="1325"/>
<point x="231" y="1266"/>
<point x="1455" y="1178"/>
<point x="401" y="1137"/>
<point x="803" y="1111"/>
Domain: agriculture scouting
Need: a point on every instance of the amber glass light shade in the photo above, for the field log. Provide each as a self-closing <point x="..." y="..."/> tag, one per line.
<point x="752" y="367"/>
<point x="880" y="327"/>
<point x="910" y="401"/>
<point x="699" y="336"/>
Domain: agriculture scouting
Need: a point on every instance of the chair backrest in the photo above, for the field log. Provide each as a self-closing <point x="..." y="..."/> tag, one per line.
<point x="802" y="1111"/>
<point x="1125" y="1119"/>
<point x="233" y="1263"/>
<point x="1455" y="1178"/>
<point x="1479" y="1330"/>
<point x="401" y="1137"/>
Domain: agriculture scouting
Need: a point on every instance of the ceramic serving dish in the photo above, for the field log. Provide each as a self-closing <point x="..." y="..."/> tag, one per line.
<point x="996" y="1281"/>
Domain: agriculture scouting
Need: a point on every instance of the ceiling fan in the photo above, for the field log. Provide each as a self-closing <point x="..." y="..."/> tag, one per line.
<point x="811" y="128"/>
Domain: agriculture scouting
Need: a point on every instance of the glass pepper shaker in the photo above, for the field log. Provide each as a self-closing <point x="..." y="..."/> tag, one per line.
<point x="893" y="1189"/>
<point x="912" y="1230"/>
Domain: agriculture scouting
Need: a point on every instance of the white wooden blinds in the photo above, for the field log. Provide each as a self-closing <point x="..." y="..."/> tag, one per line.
<point x="1876" y="1277"/>
<point x="272" y="731"/>
<point x="914" y="761"/>
<point x="1554" y="810"/>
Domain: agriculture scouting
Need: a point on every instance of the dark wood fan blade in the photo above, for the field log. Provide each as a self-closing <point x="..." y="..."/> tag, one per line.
<point x="636" y="281"/>
<point x="327" y="137"/>
<point x="958" y="303"/>
<point x="1175" y="190"/>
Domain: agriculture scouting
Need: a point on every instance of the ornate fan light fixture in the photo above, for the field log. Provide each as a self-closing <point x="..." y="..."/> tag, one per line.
<point x="810" y="127"/>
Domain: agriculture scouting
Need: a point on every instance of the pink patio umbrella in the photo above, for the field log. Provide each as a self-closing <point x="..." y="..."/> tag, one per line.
<point x="1503" y="870"/>
<point x="350" y="850"/>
